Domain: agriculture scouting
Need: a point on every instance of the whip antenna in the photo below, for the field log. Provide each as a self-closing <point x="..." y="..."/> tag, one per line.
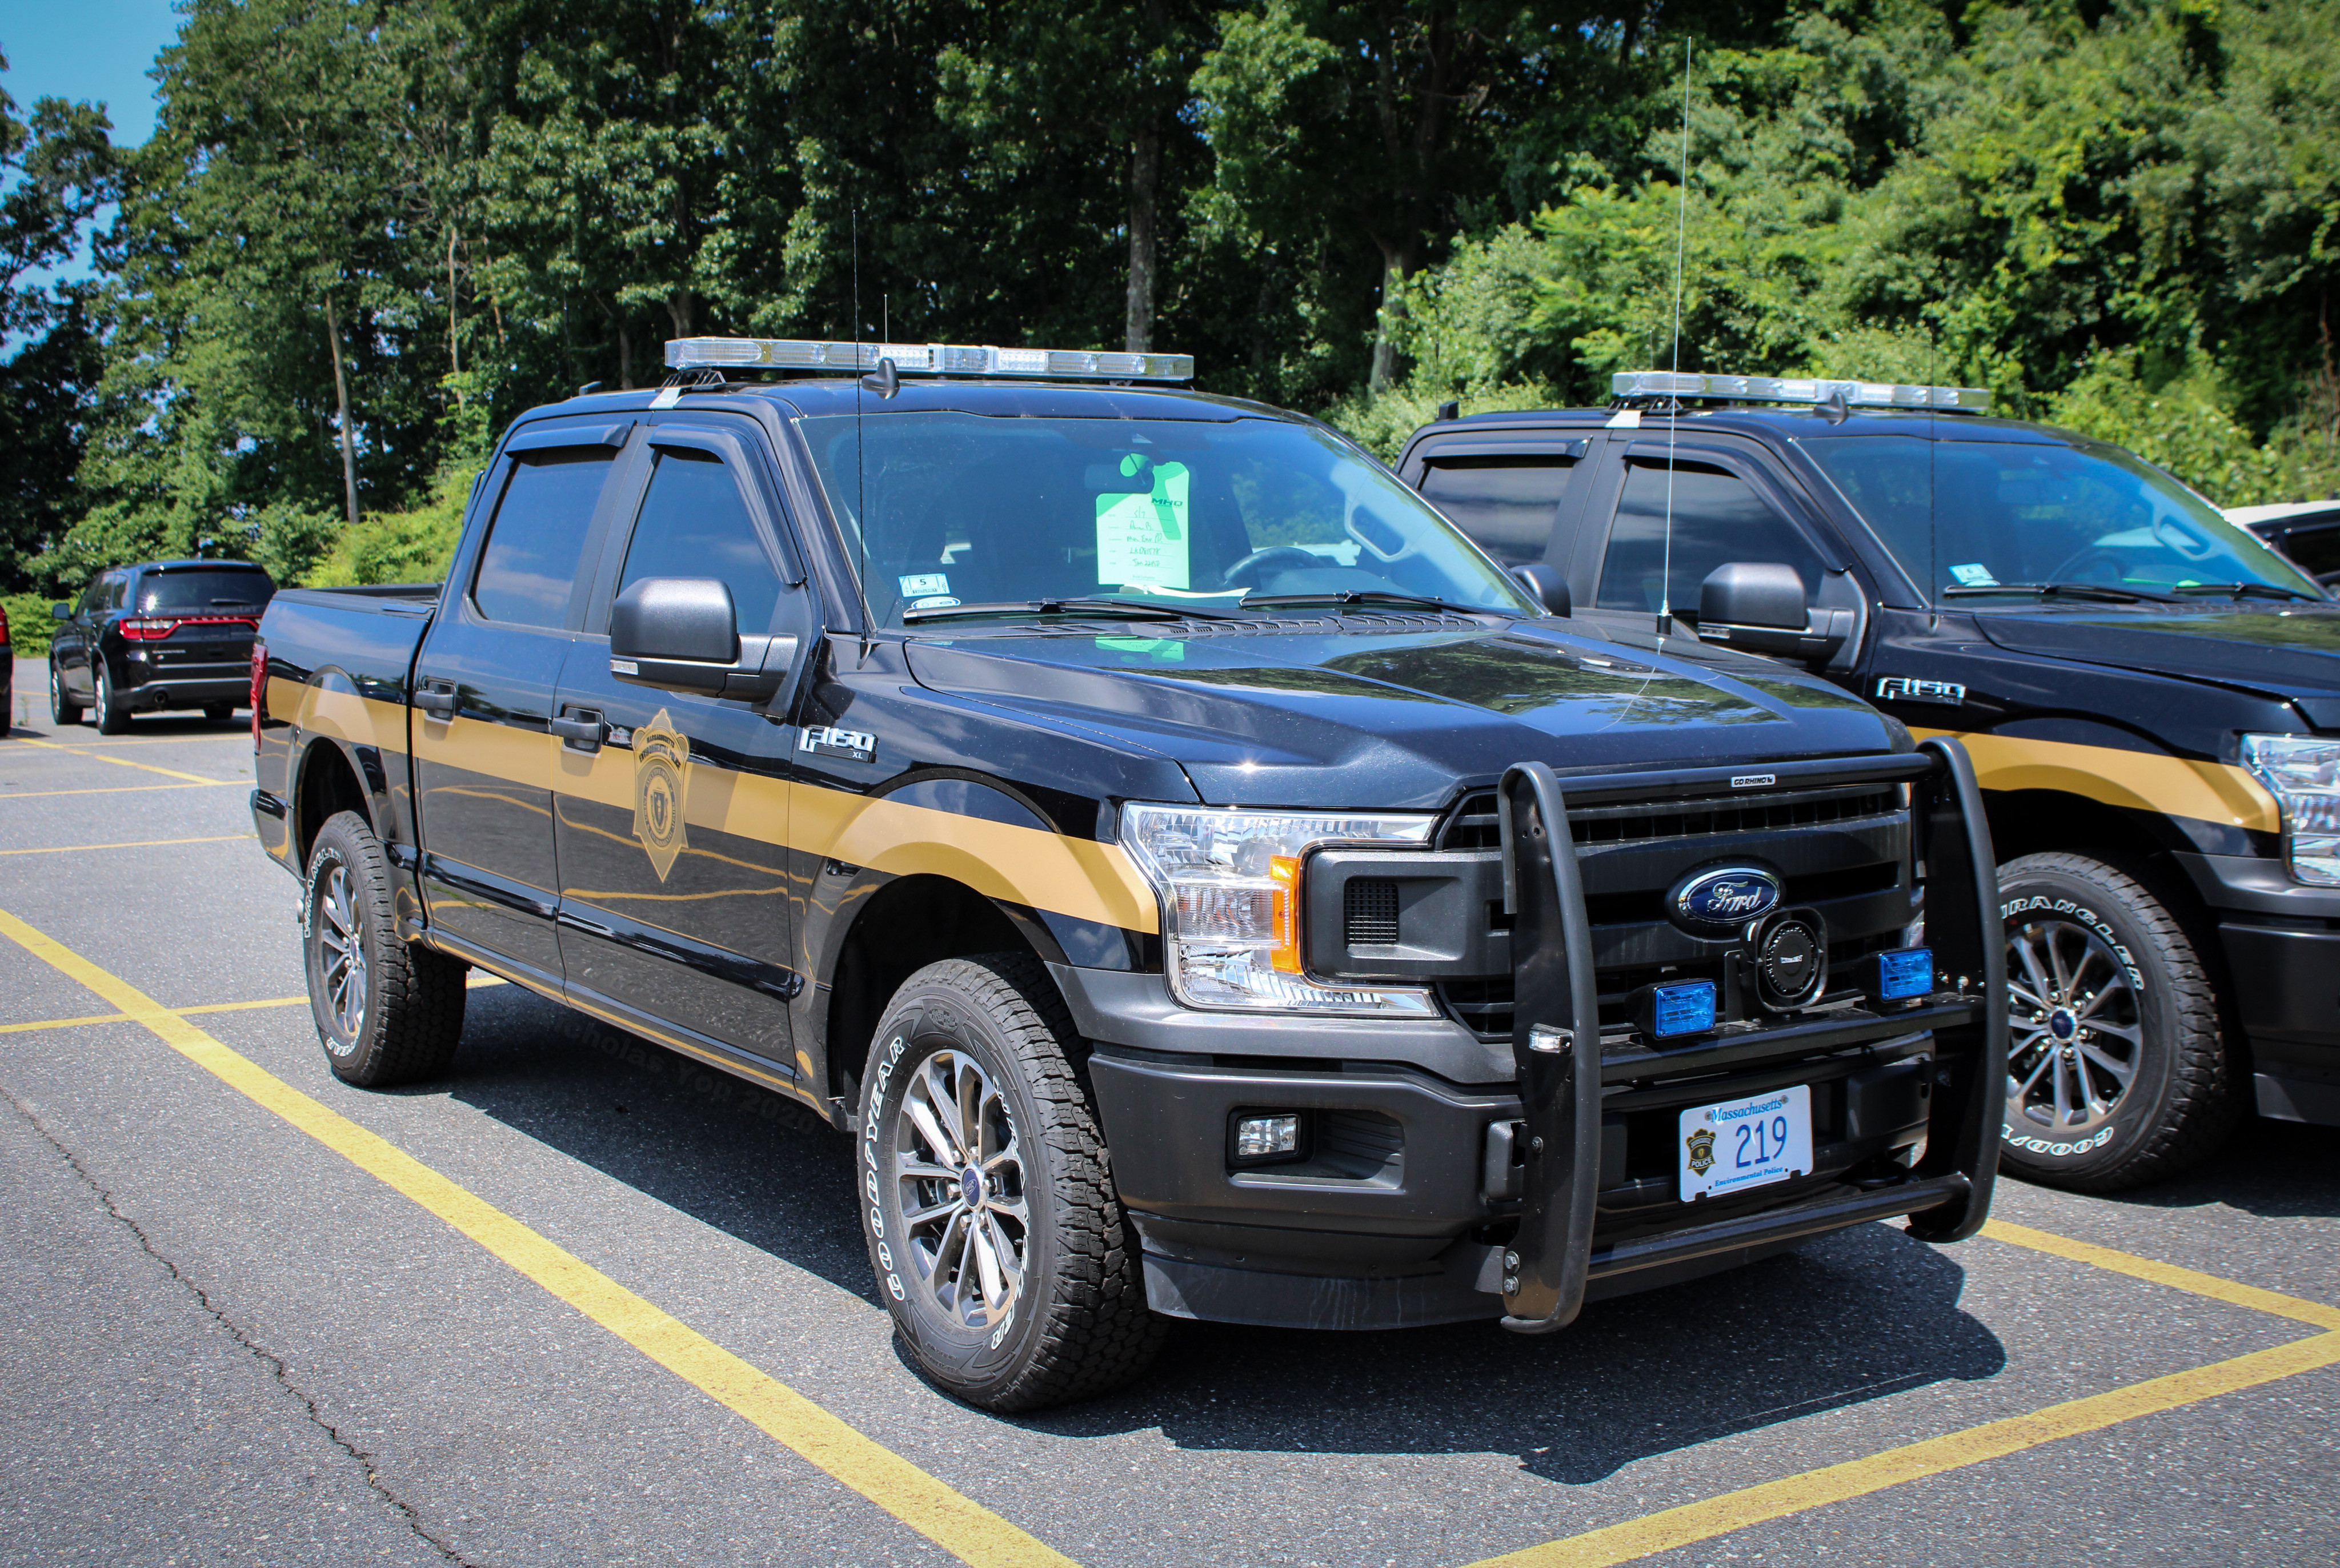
<point x="1673" y="417"/>
<point x="860" y="457"/>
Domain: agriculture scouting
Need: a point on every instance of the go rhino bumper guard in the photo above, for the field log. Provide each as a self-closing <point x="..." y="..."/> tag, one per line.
<point x="1564" y="1066"/>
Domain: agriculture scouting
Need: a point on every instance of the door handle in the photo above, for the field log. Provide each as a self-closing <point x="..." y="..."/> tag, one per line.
<point x="437" y="699"/>
<point x="580" y="728"/>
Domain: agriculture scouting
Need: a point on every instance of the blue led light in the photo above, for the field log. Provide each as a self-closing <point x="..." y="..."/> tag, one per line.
<point x="1903" y="974"/>
<point x="1685" y="1009"/>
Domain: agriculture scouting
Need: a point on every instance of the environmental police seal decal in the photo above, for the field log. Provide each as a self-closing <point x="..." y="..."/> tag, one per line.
<point x="662" y="785"/>
<point x="1701" y="1150"/>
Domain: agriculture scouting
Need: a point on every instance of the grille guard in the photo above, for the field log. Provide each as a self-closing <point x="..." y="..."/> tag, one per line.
<point x="1563" y="1064"/>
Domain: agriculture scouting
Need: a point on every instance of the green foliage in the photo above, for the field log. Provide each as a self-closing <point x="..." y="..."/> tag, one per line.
<point x="1381" y="425"/>
<point x="414" y="546"/>
<point x="29" y="625"/>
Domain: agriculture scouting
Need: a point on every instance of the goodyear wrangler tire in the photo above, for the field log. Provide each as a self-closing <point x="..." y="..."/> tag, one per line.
<point x="387" y="1012"/>
<point x="2117" y="1071"/>
<point x="987" y="1199"/>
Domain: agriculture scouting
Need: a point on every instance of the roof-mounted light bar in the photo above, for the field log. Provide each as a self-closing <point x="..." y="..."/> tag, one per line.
<point x="1804" y="389"/>
<point x="928" y="359"/>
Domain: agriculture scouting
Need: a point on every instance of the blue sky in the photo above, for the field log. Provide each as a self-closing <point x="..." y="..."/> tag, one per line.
<point x="96" y="49"/>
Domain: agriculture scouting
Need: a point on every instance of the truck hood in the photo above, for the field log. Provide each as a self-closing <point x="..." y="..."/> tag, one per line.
<point x="1347" y="719"/>
<point x="2282" y="651"/>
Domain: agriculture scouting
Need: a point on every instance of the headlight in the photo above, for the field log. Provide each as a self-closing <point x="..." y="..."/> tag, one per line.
<point x="1230" y="886"/>
<point x="2303" y="774"/>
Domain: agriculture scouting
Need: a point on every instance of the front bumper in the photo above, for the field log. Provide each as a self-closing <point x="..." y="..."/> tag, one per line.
<point x="2282" y="946"/>
<point x="1423" y="1188"/>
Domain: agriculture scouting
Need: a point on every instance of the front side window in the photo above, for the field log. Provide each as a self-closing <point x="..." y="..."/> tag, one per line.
<point x="1716" y="518"/>
<point x="694" y="523"/>
<point x="943" y="509"/>
<point x="529" y="566"/>
<point x="1507" y="504"/>
<point x="1973" y="519"/>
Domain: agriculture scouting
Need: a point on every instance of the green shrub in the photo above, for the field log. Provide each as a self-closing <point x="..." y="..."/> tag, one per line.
<point x="29" y="624"/>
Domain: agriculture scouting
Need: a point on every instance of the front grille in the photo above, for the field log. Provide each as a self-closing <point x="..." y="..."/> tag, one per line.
<point x="1476" y="825"/>
<point x="1704" y="828"/>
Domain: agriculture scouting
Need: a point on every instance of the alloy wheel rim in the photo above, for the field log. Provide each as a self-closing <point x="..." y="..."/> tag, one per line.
<point x="959" y="1175"/>
<point x="340" y="954"/>
<point x="2074" y="1029"/>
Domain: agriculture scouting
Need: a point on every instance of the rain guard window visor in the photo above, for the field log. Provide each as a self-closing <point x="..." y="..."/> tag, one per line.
<point x="959" y="507"/>
<point x="1973" y="515"/>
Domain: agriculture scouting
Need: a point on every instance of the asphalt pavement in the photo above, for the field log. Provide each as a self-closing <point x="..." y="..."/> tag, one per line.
<point x="588" y="1302"/>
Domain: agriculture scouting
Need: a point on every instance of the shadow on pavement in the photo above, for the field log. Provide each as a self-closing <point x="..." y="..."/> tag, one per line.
<point x="2276" y="1170"/>
<point x="1850" y="1317"/>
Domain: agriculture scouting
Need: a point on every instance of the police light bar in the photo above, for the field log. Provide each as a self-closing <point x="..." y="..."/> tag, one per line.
<point x="928" y="359"/>
<point x="1804" y="389"/>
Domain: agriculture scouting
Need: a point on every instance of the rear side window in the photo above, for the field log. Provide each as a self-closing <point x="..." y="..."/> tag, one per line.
<point x="1507" y="504"/>
<point x="529" y="564"/>
<point x="695" y="524"/>
<point x="203" y="589"/>
<point x="1717" y="518"/>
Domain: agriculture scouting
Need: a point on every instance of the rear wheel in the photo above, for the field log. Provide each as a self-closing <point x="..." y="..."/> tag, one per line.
<point x="2116" y="1066"/>
<point x="387" y="1012"/>
<point x="112" y="718"/>
<point x="63" y="709"/>
<point x="987" y="1203"/>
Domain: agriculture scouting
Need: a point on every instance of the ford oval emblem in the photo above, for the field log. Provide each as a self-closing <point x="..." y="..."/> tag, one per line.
<point x="1722" y="899"/>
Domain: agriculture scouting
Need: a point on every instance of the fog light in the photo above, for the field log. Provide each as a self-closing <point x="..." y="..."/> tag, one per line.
<point x="1904" y="973"/>
<point x="1275" y="1136"/>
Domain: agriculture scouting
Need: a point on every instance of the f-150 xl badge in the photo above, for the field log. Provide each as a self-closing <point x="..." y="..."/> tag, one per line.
<point x="1907" y="689"/>
<point x="828" y="740"/>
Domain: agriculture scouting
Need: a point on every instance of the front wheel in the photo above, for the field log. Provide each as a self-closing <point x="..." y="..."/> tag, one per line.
<point x="1002" y="1251"/>
<point x="63" y="709"/>
<point x="2117" y="1063"/>
<point x="387" y="1012"/>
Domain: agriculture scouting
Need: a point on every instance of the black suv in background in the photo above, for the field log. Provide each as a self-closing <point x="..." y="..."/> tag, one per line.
<point x="2151" y="695"/>
<point x="158" y="635"/>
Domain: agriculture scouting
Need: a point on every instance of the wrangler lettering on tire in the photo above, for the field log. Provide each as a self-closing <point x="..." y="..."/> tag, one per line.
<point x="1011" y="1274"/>
<point x="2117" y="1063"/>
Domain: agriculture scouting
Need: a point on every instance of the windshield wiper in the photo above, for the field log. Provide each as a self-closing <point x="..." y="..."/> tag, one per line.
<point x="2247" y="590"/>
<point x="1129" y="609"/>
<point x="1363" y="596"/>
<point x="2104" y="591"/>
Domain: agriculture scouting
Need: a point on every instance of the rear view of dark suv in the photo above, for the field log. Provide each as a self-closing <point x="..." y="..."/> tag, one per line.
<point x="160" y="635"/>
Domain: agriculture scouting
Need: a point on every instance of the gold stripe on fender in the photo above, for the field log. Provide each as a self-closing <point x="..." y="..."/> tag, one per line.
<point x="343" y="715"/>
<point x="1030" y="865"/>
<point x="2143" y="780"/>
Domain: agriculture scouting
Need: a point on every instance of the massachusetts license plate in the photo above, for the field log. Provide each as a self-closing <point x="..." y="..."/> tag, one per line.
<point x="1746" y="1143"/>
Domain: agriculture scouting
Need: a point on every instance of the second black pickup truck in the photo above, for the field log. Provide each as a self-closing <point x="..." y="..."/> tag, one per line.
<point x="1200" y="880"/>
<point x="2151" y="698"/>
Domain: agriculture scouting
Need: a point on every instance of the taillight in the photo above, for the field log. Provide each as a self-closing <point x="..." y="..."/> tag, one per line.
<point x="259" y="687"/>
<point x="148" y="629"/>
<point x="4" y="625"/>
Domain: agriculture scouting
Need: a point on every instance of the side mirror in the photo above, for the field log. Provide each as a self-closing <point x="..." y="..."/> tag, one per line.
<point x="60" y="612"/>
<point x="1546" y="586"/>
<point x="682" y="634"/>
<point x="1760" y="607"/>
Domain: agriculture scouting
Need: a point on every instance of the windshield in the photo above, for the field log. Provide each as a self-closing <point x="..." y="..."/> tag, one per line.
<point x="958" y="509"/>
<point x="1972" y="516"/>
<point x="203" y="588"/>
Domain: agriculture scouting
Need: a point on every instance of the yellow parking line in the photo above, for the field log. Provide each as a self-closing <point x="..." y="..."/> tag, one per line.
<point x="478" y="980"/>
<point x="118" y="789"/>
<point x="132" y="844"/>
<point x="1697" y="1522"/>
<point x="123" y="762"/>
<point x="948" y="1518"/>
<point x="2166" y="1274"/>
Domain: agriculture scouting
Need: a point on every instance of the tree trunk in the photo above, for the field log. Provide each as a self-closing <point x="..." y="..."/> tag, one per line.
<point x="1144" y="181"/>
<point x="454" y="342"/>
<point x="1397" y="265"/>
<point x="625" y="357"/>
<point x="341" y="399"/>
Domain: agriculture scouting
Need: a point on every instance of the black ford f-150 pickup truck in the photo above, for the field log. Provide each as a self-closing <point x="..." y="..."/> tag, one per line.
<point x="1201" y="881"/>
<point x="2150" y="696"/>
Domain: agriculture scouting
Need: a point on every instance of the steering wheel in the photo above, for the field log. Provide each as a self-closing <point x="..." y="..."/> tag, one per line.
<point x="1289" y="557"/>
<point x="2076" y="569"/>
